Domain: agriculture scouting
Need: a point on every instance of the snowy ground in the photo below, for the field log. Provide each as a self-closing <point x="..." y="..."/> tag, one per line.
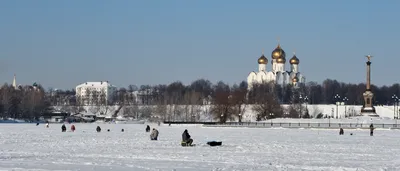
<point x="30" y="147"/>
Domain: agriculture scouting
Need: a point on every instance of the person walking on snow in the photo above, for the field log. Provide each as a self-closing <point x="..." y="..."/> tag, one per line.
<point x="371" y="130"/>
<point x="154" y="134"/>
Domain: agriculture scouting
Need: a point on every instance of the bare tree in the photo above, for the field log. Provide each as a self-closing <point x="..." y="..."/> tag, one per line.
<point x="132" y="88"/>
<point x="104" y="106"/>
<point x="93" y="100"/>
<point x="223" y="108"/>
<point x="239" y="101"/>
<point x="146" y="112"/>
<point x="266" y="103"/>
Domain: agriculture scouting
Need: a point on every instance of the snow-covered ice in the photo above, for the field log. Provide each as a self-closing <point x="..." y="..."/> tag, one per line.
<point x="31" y="147"/>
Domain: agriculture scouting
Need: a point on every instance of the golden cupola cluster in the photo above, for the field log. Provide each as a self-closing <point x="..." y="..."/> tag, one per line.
<point x="262" y="59"/>
<point x="294" y="59"/>
<point x="279" y="54"/>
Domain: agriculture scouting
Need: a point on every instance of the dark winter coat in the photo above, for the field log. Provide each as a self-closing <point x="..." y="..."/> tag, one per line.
<point x="63" y="128"/>
<point x="185" y="136"/>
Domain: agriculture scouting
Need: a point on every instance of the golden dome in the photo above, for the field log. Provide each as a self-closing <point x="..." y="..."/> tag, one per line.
<point x="294" y="60"/>
<point x="278" y="52"/>
<point x="262" y="60"/>
<point x="281" y="60"/>
<point x="295" y="80"/>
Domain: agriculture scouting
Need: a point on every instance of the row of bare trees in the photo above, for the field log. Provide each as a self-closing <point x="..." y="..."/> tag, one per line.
<point x="24" y="102"/>
<point x="198" y="101"/>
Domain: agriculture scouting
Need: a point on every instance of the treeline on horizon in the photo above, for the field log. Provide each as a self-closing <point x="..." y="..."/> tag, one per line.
<point x="30" y="102"/>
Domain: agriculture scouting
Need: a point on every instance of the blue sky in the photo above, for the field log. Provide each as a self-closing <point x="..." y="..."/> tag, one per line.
<point x="63" y="43"/>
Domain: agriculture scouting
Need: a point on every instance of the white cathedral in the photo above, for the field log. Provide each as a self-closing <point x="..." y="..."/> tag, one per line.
<point x="277" y="75"/>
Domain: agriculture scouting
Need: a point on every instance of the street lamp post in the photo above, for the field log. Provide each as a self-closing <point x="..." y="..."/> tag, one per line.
<point x="271" y="115"/>
<point x="301" y="105"/>
<point x="395" y="100"/>
<point x="345" y="99"/>
<point x="229" y="102"/>
<point x="397" y="107"/>
<point x="306" y="100"/>
<point x="337" y="99"/>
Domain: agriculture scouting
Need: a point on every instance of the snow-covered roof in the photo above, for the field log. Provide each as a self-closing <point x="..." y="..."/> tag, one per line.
<point x="96" y="84"/>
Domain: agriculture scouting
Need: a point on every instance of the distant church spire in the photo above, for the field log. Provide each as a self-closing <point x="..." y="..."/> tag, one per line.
<point x="14" y="84"/>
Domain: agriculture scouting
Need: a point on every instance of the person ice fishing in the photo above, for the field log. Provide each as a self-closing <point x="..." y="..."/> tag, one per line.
<point x="371" y="130"/>
<point x="341" y="131"/>
<point x="148" y="128"/>
<point x="98" y="129"/>
<point x="47" y="124"/>
<point x="63" y="128"/>
<point x="154" y="134"/>
<point x="186" y="139"/>
<point x="73" y="128"/>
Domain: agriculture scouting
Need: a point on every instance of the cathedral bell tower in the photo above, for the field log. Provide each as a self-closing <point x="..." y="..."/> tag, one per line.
<point x="262" y="63"/>
<point x="294" y="63"/>
<point x="278" y="56"/>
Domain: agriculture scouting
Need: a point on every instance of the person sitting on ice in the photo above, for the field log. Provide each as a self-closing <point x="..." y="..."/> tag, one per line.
<point x="148" y="128"/>
<point x="186" y="139"/>
<point x="47" y="125"/>
<point x="73" y="128"/>
<point x="63" y="128"/>
<point x="98" y="129"/>
<point x="371" y="129"/>
<point x="154" y="134"/>
<point x="341" y="132"/>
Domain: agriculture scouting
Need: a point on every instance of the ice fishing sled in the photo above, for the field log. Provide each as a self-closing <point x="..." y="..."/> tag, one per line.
<point x="214" y="143"/>
<point x="184" y="144"/>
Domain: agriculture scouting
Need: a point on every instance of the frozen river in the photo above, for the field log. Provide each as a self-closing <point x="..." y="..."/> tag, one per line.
<point x="31" y="147"/>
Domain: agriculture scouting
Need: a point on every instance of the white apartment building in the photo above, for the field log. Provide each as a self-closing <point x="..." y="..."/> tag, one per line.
<point x="90" y="93"/>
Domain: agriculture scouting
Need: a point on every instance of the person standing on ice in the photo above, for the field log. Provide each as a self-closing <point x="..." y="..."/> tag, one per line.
<point x="186" y="138"/>
<point x="63" y="128"/>
<point x="341" y="132"/>
<point x="154" y="134"/>
<point x="73" y="128"/>
<point x="371" y="130"/>
<point x="148" y="128"/>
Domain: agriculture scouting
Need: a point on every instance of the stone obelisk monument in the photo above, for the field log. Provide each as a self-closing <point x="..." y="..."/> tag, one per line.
<point x="368" y="109"/>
